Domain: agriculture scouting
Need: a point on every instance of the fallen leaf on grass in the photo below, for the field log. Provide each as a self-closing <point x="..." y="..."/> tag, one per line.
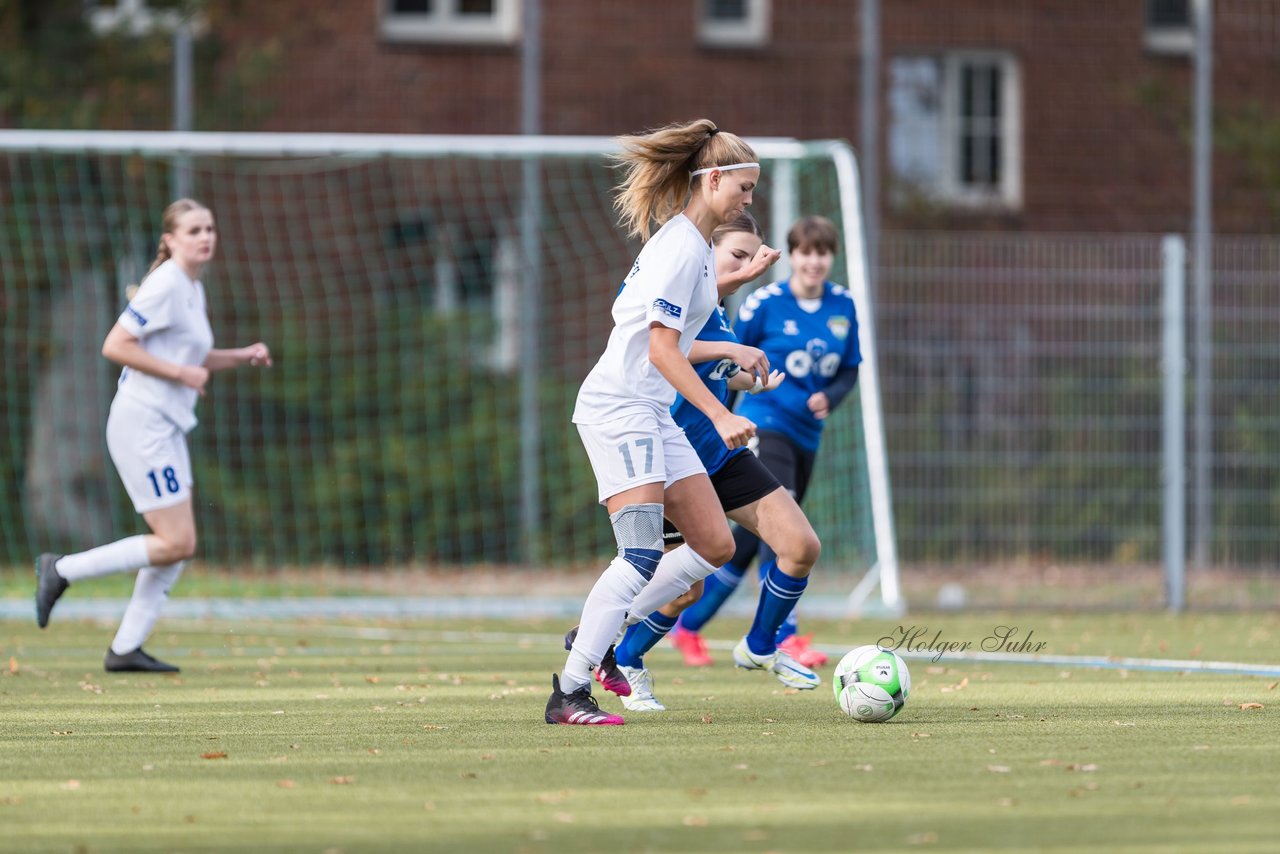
<point x="741" y="766"/>
<point x="564" y="817"/>
<point x="434" y="726"/>
<point x="1072" y="766"/>
<point x="1251" y="706"/>
<point x="1007" y="802"/>
<point x="694" y="821"/>
<point x="13" y="666"/>
<point x="70" y="785"/>
<point x="11" y="801"/>
<point x="706" y="719"/>
<point x="553" y="797"/>
<point x="285" y="784"/>
<point x="921" y="735"/>
<point x="342" y="780"/>
<point x="1124" y="723"/>
<point x="214" y="754"/>
<point x="998" y="769"/>
<point x="1239" y="800"/>
<point x="922" y="838"/>
<point x="373" y="680"/>
<point x="60" y="731"/>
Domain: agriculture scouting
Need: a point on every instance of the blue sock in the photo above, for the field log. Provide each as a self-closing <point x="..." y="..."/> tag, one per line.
<point x="789" y="627"/>
<point x="716" y="588"/>
<point x="642" y="637"/>
<point x="778" y="596"/>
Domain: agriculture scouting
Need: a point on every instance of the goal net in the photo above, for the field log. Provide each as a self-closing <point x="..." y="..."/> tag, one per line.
<point x="432" y="304"/>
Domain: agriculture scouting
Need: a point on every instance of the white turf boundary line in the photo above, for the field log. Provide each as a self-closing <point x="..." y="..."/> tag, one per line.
<point x="386" y="635"/>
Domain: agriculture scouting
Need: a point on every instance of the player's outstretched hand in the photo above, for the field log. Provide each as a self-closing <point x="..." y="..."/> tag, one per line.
<point x="775" y="380"/>
<point x="257" y="355"/>
<point x="764" y="258"/>
<point x="735" y="430"/>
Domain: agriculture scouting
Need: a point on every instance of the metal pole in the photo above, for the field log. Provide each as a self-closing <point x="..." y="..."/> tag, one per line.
<point x="183" y="102"/>
<point x="530" y="295"/>
<point x="1202" y="249"/>
<point x="869" y="153"/>
<point x="1173" y="254"/>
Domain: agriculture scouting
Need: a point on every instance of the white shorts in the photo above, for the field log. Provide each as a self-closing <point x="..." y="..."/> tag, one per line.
<point x="150" y="453"/>
<point x="638" y="449"/>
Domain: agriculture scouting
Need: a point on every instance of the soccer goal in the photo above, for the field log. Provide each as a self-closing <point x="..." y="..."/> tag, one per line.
<point x="433" y="302"/>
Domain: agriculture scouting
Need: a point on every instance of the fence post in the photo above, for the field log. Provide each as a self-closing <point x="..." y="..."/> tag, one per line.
<point x="1173" y="255"/>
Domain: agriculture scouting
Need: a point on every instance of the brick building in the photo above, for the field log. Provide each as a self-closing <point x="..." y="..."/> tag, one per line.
<point x="1028" y="115"/>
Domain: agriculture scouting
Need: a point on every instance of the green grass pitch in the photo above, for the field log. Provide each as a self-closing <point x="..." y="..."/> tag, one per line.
<point x="347" y="736"/>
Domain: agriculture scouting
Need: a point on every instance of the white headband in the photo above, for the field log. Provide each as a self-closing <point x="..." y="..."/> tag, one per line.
<point x="724" y="168"/>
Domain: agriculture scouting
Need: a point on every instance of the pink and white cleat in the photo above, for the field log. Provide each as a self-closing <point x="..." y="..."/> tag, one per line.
<point x="577" y="707"/>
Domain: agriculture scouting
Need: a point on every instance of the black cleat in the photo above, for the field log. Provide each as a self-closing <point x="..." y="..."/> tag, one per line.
<point x="136" y="662"/>
<point x="576" y="707"/>
<point x="607" y="673"/>
<point x="49" y="586"/>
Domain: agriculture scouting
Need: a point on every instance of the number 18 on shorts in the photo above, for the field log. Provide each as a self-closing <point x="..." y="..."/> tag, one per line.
<point x="150" y="454"/>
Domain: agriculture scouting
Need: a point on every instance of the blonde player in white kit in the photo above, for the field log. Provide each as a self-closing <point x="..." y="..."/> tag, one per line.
<point x="164" y="342"/>
<point x="689" y="179"/>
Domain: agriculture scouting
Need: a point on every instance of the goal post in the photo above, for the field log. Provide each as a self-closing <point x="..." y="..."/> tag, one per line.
<point x="414" y="415"/>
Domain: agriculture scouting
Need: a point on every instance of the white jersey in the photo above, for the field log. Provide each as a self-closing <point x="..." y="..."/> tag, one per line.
<point x="673" y="283"/>
<point x="169" y="318"/>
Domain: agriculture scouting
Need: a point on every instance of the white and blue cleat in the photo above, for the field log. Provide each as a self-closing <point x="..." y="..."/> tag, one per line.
<point x="789" y="672"/>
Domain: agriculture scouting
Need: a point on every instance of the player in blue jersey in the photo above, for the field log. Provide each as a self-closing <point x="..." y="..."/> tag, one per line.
<point x="809" y="327"/>
<point x="747" y="492"/>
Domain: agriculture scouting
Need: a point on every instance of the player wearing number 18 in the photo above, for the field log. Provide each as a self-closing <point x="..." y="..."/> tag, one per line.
<point x="165" y="344"/>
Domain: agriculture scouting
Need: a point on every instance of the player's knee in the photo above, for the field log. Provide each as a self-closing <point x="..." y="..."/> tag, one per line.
<point x="803" y="551"/>
<point x="174" y="548"/>
<point x="718" y="549"/>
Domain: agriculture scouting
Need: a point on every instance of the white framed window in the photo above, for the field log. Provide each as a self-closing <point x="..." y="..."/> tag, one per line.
<point x="1168" y="27"/>
<point x="733" y="23"/>
<point x="141" y="17"/>
<point x="955" y="128"/>
<point x="450" y="21"/>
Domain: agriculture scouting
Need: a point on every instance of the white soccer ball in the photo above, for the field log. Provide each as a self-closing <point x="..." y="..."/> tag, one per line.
<point x="871" y="684"/>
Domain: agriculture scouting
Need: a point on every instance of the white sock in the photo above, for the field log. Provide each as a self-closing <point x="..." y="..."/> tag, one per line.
<point x="150" y="592"/>
<point x="121" y="556"/>
<point x="602" y="615"/>
<point x="678" y="570"/>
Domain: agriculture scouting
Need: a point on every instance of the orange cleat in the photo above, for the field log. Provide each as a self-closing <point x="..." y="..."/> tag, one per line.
<point x="691" y="646"/>
<point x="799" y="648"/>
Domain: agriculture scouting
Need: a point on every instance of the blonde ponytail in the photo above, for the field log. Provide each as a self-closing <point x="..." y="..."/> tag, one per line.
<point x="657" y="168"/>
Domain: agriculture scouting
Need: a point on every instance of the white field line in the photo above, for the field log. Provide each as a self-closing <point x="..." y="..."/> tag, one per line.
<point x="524" y="639"/>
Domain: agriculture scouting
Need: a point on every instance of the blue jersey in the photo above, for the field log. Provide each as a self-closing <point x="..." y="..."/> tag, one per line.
<point x="698" y="428"/>
<point x="811" y="343"/>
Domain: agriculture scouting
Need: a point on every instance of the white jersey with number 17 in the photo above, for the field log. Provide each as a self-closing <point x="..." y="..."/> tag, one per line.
<point x="673" y="282"/>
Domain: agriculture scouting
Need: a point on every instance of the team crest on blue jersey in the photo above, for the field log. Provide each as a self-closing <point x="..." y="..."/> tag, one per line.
<point x="668" y="307"/>
<point x="839" y="327"/>
<point x="142" y="321"/>
<point x="789" y="328"/>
